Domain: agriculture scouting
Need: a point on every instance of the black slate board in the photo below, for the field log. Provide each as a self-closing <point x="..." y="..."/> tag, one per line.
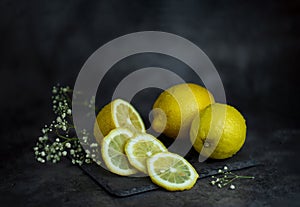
<point x="125" y="186"/>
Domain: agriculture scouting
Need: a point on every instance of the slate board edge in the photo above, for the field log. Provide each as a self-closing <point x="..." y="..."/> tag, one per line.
<point x="124" y="193"/>
<point x="134" y="191"/>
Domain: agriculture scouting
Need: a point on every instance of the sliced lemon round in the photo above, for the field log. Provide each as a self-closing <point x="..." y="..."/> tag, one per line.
<point x="140" y="148"/>
<point x="171" y="171"/>
<point x="118" y="113"/>
<point x="112" y="150"/>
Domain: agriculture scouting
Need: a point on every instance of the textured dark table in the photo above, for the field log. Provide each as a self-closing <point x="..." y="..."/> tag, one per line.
<point x="255" y="47"/>
<point x="24" y="182"/>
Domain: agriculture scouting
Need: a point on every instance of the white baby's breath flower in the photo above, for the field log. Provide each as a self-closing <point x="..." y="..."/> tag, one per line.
<point x="46" y="149"/>
<point x="68" y="145"/>
<point x="58" y="119"/>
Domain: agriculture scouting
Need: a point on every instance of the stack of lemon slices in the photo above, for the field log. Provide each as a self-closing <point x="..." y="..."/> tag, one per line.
<point x="127" y="149"/>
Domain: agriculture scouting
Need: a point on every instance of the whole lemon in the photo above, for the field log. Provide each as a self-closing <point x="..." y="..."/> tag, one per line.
<point x="219" y="132"/>
<point x="176" y="107"/>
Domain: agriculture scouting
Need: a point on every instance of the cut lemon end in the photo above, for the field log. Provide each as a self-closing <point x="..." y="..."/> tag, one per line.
<point x="112" y="150"/>
<point x="171" y="171"/>
<point x="140" y="148"/>
<point x="125" y="115"/>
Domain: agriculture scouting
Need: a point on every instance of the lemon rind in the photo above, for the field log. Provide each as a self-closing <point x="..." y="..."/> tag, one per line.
<point x="188" y="184"/>
<point x="117" y="102"/>
<point x="104" y="152"/>
<point x="135" y="140"/>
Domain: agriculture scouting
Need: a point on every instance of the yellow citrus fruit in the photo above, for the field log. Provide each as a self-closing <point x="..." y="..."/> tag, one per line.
<point x="140" y="148"/>
<point x="171" y="171"/>
<point x="113" y="154"/>
<point x="118" y="113"/>
<point x="176" y="107"/>
<point x="219" y="132"/>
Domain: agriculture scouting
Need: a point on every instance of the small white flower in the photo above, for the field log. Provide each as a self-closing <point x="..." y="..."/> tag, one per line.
<point x="54" y="90"/>
<point x="213" y="182"/>
<point x="72" y="152"/>
<point x="94" y="145"/>
<point x="41" y="160"/>
<point x="68" y="145"/>
<point x="225" y="168"/>
<point x="57" y="140"/>
<point x="219" y="185"/>
<point x="58" y="119"/>
<point x="43" y="153"/>
<point x="64" y="153"/>
<point x="232" y="187"/>
<point x="220" y="171"/>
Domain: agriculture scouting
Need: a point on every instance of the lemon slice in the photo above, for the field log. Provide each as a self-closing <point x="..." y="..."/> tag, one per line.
<point x="118" y="113"/>
<point x="112" y="150"/>
<point x="171" y="171"/>
<point x="140" y="148"/>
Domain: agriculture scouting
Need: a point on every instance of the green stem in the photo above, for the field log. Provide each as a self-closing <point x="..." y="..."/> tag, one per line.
<point x="69" y="140"/>
<point x="64" y="137"/>
<point x="245" y="177"/>
<point x="230" y="181"/>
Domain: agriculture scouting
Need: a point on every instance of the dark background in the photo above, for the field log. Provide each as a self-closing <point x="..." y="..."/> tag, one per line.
<point x="254" y="46"/>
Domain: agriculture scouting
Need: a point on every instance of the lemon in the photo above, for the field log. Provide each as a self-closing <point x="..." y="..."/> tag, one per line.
<point x="176" y="107"/>
<point x="140" y="148"/>
<point x="112" y="150"/>
<point x="118" y="113"/>
<point x="171" y="171"/>
<point x="219" y="133"/>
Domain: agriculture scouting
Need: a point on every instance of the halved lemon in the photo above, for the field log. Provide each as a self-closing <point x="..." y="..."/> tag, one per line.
<point x="171" y="171"/>
<point x="118" y="113"/>
<point x="112" y="150"/>
<point x="140" y="148"/>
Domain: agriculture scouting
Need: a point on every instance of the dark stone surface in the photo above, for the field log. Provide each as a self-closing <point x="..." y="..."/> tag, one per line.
<point x="254" y="45"/>
<point x="25" y="182"/>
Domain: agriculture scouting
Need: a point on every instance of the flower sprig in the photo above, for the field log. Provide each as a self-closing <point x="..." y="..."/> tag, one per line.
<point x="227" y="177"/>
<point x="57" y="141"/>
